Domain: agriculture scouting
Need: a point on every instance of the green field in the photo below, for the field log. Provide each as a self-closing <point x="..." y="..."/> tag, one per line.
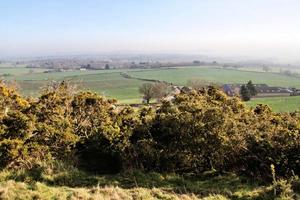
<point x="182" y="75"/>
<point x="106" y="82"/>
<point x="278" y="104"/>
<point x="111" y="84"/>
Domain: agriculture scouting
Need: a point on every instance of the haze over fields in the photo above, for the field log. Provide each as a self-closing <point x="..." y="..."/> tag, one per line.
<point x="245" y="29"/>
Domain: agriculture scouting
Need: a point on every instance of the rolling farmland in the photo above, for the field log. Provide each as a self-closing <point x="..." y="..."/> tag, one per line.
<point x="182" y="75"/>
<point x="111" y="84"/>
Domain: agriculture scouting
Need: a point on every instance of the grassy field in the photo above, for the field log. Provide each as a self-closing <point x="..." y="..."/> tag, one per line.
<point x="70" y="183"/>
<point x="182" y="75"/>
<point x="105" y="82"/>
<point x="278" y="104"/>
<point x="111" y="84"/>
<point x="272" y="69"/>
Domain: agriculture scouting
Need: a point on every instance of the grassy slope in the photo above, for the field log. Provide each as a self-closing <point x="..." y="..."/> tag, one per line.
<point x="73" y="184"/>
<point x="278" y="104"/>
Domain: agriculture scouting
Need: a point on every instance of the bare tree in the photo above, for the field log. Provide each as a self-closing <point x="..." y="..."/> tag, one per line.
<point x="147" y="90"/>
<point x="161" y="90"/>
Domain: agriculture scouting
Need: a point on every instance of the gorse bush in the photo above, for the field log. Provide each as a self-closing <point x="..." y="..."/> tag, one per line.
<point x="198" y="131"/>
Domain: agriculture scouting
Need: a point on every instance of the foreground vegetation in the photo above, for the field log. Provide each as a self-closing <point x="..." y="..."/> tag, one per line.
<point x="56" y="143"/>
<point x="66" y="182"/>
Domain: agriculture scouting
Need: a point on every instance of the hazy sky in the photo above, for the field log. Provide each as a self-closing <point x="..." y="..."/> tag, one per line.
<point x="262" y="28"/>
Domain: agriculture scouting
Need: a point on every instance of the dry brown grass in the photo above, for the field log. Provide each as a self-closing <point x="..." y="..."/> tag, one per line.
<point x="16" y="190"/>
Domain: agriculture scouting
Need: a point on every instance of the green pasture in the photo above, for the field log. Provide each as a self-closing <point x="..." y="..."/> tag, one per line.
<point x="278" y="104"/>
<point x="111" y="84"/>
<point x="181" y="75"/>
<point x="106" y="82"/>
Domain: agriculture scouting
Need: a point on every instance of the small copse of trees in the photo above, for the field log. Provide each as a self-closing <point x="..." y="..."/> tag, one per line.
<point x="248" y="91"/>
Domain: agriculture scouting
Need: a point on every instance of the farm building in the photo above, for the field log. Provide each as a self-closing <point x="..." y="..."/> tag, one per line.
<point x="232" y="89"/>
<point x="266" y="91"/>
<point x="295" y="92"/>
<point x="263" y="90"/>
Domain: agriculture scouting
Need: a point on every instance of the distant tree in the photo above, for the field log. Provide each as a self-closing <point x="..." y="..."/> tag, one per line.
<point x="88" y="66"/>
<point x="107" y="66"/>
<point x="251" y="88"/>
<point x="266" y="68"/>
<point x="245" y="93"/>
<point x="161" y="90"/>
<point x="147" y="90"/>
<point x="225" y="66"/>
<point x="237" y="66"/>
<point x="6" y="74"/>
<point x="287" y="72"/>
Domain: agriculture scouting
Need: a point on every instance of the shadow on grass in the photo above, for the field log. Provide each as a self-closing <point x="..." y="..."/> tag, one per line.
<point x="229" y="185"/>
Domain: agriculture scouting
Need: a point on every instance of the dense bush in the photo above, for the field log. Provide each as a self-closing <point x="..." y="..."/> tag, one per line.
<point x="272" y="139"/>
<point x="198" y="131"/>
<point x="93" y="122"/>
